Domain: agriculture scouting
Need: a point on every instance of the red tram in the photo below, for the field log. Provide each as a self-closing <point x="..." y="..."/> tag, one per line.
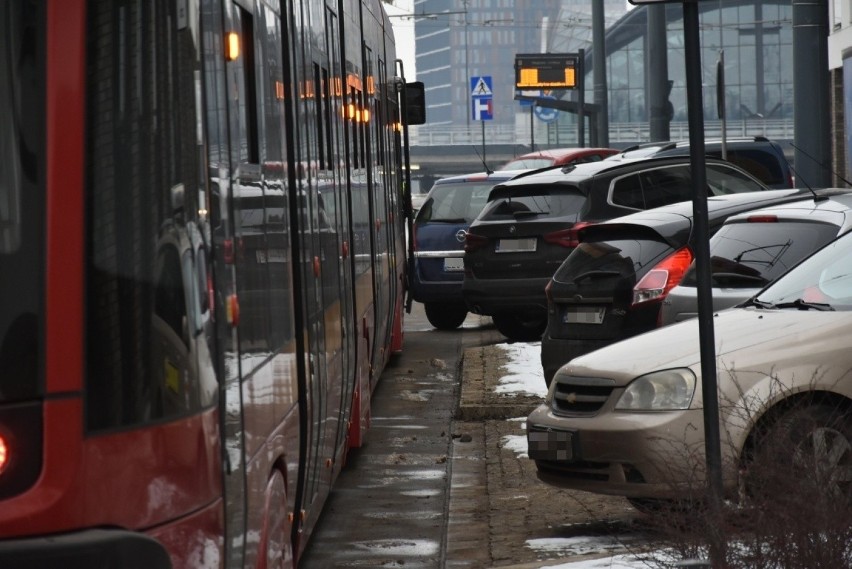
<point x="202" y="268"/>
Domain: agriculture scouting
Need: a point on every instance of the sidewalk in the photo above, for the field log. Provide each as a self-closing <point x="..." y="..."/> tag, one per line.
<point x="500" y="514"/>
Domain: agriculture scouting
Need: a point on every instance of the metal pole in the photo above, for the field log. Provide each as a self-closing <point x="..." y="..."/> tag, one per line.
<point x="657" y="63"/>
<point x="811" y="96"/>
<point x="599" y="73"/>
<point x="483" y="142"/>
<point x="581" y="92"/>
<point x="706" y="339"/>
<point x="532" y="128"/>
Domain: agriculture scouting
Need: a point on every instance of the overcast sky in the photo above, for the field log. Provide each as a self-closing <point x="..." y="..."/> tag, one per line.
<point x="404" y="31"/>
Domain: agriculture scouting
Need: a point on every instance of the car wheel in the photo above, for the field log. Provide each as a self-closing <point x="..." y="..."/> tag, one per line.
<point x="807" y="451"/>
<point x="521" y="327"/>
<point x="445" y="316"/>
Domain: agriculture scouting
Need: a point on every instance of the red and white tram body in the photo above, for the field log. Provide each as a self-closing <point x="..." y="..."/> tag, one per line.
<point x="202" y="259"/>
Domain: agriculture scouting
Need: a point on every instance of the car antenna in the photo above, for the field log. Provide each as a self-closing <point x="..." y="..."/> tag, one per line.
<point x="848" y="183"/>
<point x="808" y="186"/>
<point x="488" y="170"/>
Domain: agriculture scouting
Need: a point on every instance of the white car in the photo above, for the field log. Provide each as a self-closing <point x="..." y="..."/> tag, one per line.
<point x="628" y="419"/>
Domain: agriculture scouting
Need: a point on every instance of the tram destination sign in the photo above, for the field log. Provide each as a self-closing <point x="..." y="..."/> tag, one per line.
<point x="546" y="70"/>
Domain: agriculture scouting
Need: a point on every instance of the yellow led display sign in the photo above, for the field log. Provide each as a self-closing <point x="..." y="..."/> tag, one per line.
<point x="545" y="71"/>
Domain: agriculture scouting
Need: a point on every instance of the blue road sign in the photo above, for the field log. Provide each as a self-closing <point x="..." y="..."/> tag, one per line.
<point x="482" y="109"/>
<point x="546" y="114"/>
<point x="481" y="86"/>
<point x="481" y="93"/>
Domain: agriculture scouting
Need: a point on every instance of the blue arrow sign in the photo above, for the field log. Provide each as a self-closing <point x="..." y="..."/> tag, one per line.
<point x="546" y="114"/>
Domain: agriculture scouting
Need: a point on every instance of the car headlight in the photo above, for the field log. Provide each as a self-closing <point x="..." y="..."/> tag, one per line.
<point x="659" y="391"/>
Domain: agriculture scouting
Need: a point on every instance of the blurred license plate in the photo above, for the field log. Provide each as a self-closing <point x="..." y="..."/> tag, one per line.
<point x="584" y="315"/>
<point x="551" y="444"/>
<point x="453" y="264"/>
<point x="516" y="245"/>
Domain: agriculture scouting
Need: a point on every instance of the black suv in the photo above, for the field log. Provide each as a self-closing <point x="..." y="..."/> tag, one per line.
<point x="529" y="226"/>
<point x="759" y="156"/>
<point x="613" y="285"/>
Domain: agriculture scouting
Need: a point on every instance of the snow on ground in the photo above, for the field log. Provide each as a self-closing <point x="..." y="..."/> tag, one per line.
<point x="524" y="367"/>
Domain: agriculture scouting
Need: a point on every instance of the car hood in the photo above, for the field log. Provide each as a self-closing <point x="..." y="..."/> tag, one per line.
<point x="746" y="338"/>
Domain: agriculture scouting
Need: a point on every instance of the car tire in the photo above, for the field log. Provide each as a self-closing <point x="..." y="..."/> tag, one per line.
<point x="521" y="326"/>
<point x="810" y="443"/>
<point x="445" y="316"/>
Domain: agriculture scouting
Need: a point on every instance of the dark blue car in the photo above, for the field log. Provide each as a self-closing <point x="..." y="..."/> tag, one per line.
<point x="439" y="231"/>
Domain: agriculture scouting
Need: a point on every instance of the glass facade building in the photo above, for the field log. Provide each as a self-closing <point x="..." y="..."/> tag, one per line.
<point x="757" y="40"/>
<point x="481" y="37"/>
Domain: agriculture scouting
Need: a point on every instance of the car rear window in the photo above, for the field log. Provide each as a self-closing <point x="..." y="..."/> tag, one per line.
<point x="455" y="202"/>
<point x="547" y="203"/>
<point x="625" y="254"/>
<point x="749" y="255"/>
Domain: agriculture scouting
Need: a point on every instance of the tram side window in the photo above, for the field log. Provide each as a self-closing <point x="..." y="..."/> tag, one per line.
<point x="148" y="320"/>
<point x="22" y="215"/>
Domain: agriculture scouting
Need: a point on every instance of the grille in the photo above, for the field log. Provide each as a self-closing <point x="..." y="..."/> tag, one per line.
<point x="580" y="395"/>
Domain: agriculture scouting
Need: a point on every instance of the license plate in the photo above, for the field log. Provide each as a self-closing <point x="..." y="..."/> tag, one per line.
<point x="453" y="264"/>
<point x="551" y="444"/>
<point x="584" y="315"/>
<point x="516" y="245"/>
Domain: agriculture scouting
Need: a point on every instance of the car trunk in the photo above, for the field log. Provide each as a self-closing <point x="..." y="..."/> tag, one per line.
<point x="592" y="293"/>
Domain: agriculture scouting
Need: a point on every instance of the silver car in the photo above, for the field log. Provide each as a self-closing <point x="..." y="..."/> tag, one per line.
<point x="628" y="419"/>
<point x="752" y="249"/>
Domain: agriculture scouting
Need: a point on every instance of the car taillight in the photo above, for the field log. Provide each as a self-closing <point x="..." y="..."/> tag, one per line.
<point x="657" y="283"/>
<point x="762" y="219"/>
<point x="568" y="238"/>
<point x="472" y="241"/>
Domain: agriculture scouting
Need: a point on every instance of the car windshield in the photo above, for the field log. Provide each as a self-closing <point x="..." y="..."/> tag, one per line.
<point x="751" y="255"/>
<point x="455" y="202"/>
<point x="822" y="281"/>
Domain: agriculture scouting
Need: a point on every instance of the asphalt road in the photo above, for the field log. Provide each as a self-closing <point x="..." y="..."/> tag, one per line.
<point x="435" y="486"/>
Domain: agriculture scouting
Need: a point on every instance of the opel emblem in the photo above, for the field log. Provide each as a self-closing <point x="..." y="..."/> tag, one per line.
<point x="460" y="235"/>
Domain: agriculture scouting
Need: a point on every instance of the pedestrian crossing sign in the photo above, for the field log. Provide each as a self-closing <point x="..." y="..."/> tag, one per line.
<point x="481" y="86"/>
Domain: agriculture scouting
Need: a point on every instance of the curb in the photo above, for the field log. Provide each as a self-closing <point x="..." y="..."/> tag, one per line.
<point x="481" y="369"/>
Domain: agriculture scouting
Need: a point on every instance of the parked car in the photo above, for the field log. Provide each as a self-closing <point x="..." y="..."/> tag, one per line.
<point x="613" y="285"/>
<point x="530" y="224"/>
<point x="752" y="249"/>
<point x="628" y="419"/>
<point x="439" y="229"/>
<point x="761" y="157"/>
<point x="557" y="157"/>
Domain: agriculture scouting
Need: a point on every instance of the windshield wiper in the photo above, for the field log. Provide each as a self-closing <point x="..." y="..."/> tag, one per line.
<point x="448" y="220"/>
<point x="802" y="304"/>
<point x="758" y="303"/>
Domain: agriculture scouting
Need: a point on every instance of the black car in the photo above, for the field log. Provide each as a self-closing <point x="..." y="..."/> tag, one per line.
<point x="613" y="284"/>
<point x="759" y="156"/>
<point x="529" y="226"/>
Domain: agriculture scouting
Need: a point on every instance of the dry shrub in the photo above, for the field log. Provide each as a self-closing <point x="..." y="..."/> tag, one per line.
<point x="794" y="505"/>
